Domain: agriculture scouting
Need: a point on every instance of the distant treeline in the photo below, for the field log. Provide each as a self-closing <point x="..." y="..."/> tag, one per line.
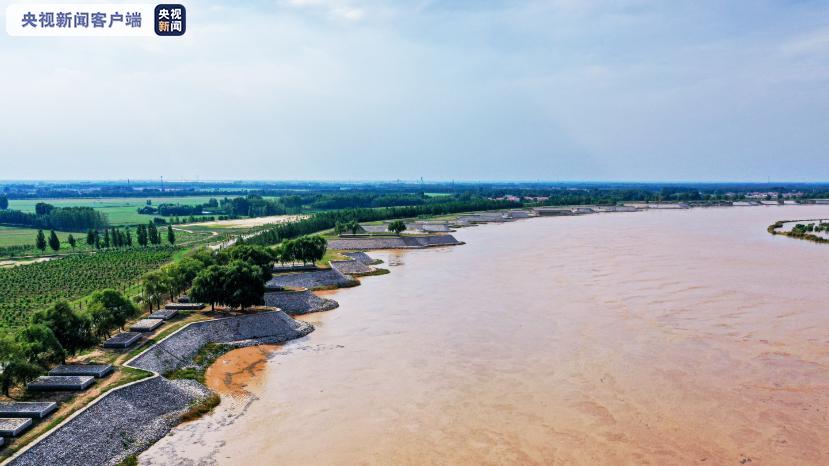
<point x="257" y="206"/>
<point x="248" y="206"/>
<point x="47" y="216"/>
<point x="326" y="220"/>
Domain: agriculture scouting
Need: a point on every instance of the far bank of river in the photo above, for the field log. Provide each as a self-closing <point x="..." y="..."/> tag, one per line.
<point x="662" y="337"/>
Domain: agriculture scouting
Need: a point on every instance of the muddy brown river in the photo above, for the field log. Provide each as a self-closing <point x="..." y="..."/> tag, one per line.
<point x="661" y="337"/>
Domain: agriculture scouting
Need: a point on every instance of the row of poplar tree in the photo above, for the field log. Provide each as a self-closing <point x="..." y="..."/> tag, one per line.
<point x="111" y="237"/>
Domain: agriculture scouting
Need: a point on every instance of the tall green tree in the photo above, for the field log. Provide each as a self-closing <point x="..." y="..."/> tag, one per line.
<point x="244" y="284"/>
<point x="109" y="310"/>
<point x="106" y="239"/>
<point x="16" y="367"/>
<point x="128" y="238"/>
<point x="42" y="208"/>
<point x="152" y="234"/>
<point x="90" y="237"/>
<point x="397" y="227"/>
<point x="54" y="241"/>
<point x="4" y="201"/>
<point x="171" y="236"/>
<point x="40" y="240"/>
<point x="305" y="248"/>
<point x="260" y="256"/>
<point x="142" y="235"/>
<point x="155" y="286"/>
<point x="204" y="256"/>
<point x="40" y="346"/>
<point x="71" y="240"/>
<point x="208" y="286"/>
<point x="180" y="275"/>
<point x="73" y="330"/>
<point x="317" y="245"/>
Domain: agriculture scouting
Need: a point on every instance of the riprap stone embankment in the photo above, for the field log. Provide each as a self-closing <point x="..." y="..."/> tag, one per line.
<point x="393" y="242"/>
<point x="178" y="350"/>
<point x="127" y="420"/>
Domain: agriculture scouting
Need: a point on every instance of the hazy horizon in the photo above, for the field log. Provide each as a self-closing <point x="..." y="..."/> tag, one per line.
<point x="348" y="90"/>
<point x="435" y="182"/>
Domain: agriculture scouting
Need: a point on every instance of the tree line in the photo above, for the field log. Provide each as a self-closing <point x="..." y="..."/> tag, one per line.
<point x="47" y="216"/>
<point x="305" y="249"/>
<point x="251" y="206"/>
<point x="327" y="220"/>
<point x="234" y="277"/>
<point x="254" y="205"/>
<point x="111" y="237"/>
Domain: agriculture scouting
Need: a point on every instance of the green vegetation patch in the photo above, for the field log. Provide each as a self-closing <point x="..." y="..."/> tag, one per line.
<point x="119" y="211"/>
<point x="18" y="241"/>
<point x="805" y="231"/>
<point x="131" y="460"/>
<point x="206" y="356"/>
<point x="200" y="408"/>
<point x="27" y="288"/>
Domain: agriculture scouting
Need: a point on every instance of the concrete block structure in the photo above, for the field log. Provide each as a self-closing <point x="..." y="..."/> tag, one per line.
<point x="46" y="383"/>
<point x="146" y="325"/>
<point x="122" y="340"/>
<point x="27" y="409"/>
<point x="95" y="370"/>
<point x="14" y="426"/>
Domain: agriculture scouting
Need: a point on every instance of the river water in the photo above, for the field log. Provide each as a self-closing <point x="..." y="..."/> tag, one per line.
<point x="660" y="337"/>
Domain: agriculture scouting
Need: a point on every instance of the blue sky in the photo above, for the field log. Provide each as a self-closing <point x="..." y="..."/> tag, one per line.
<point x="466" y="90"/>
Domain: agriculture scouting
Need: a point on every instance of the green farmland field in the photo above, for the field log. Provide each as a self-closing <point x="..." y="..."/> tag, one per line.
<point x="14" y="236"/>
<point x="28" y="288"/>
<point x="17" y="237"/>
<point x="119" y="210"/>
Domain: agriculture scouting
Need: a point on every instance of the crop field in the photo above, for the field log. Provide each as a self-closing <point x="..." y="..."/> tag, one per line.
<point x="17" y="242"/>
<point x="20" y="242"/>
<point x="119" y="210"/>
<point x="28" y="288"/>
<point x="15" y="236"/>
